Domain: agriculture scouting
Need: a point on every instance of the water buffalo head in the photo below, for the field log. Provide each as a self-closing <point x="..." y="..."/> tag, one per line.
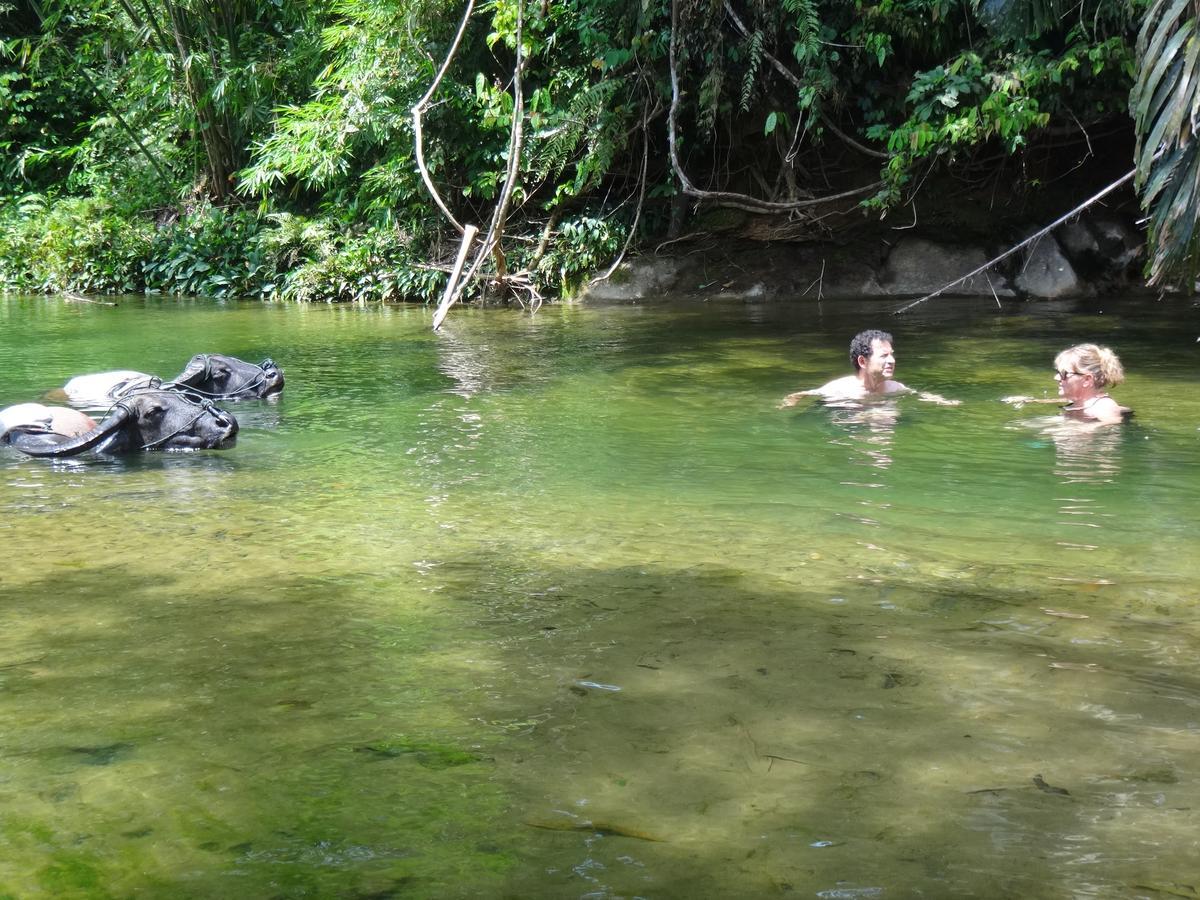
<point x="144" y="420"/>
<point x="229" y="378"/>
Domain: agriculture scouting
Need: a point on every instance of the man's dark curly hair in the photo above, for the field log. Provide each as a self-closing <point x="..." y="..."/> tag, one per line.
<point x="861" y="345"/>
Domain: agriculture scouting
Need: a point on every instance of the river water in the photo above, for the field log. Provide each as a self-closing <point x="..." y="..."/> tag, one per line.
<point x="563" y="606"/>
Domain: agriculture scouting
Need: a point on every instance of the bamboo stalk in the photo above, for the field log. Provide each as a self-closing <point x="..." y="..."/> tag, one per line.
<point x="116" y="114"/>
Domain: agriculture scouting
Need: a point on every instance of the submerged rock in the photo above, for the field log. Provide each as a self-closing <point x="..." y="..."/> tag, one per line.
<point x="103" y="756"/>
<point x="426" y="754"/>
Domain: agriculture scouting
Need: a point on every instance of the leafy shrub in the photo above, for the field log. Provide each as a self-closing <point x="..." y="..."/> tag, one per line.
<point x="374" y="266"/>
<point x="81" y="245"/>
<point x="70" y="244"/>
<point x="582" y="246"/>
<point x="213" y="252"/>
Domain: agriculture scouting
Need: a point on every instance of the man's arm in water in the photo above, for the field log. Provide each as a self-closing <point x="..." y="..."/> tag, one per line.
<point x="793" y="399"/>
<point x="845" y="388"/>
<point x="936" y="398"/>
<point x="928" y="397"/>
<point x="850" y="388"/>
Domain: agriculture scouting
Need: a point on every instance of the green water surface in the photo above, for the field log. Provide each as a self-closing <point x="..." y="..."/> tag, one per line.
<point x="563" y="606"/>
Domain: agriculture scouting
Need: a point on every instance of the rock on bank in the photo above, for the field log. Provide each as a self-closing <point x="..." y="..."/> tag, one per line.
<point x="1093" y="254"/>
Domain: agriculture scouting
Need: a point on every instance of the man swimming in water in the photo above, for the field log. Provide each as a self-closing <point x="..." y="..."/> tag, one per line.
<point x="874" y="363"/>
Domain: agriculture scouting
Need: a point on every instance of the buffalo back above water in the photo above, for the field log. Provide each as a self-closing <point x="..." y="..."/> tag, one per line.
<point x="59" y="419"/>
<point x="153" y="419"/>
<point x="100" y="390"/>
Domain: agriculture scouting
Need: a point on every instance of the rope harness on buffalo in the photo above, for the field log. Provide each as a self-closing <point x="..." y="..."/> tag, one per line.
<point x="193" y="398"/>
<point x="250" y="383"/>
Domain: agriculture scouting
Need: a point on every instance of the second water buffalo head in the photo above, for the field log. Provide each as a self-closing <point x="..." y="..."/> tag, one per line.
<point x="229" y="378"/>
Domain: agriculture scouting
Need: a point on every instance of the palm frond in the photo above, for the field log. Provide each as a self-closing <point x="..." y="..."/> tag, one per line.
<point x="1165" y="103"/>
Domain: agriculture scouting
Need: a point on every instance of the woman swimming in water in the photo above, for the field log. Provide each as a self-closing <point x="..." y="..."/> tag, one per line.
<point x="1084" y="374"/>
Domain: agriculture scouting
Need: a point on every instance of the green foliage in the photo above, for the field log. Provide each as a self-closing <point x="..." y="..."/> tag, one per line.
<point x="212" y="252"/>
<point x="961" y="104"/>
<point x="75" y="245"/>
<point x="1166" y="104"/>
<point x="1006" y="89"/>
<point x="317" y="262"/>
<point x="305" y="108"/>
<point x="42" y="96"/>
<point x="588" y="120"/>
<point x="584" y="245"/>
<point x="350" y="141"/>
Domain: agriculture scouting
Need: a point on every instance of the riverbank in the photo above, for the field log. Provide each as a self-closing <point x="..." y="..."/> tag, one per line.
<point x="85" y="247"/>
<point x="1095" y="253"/>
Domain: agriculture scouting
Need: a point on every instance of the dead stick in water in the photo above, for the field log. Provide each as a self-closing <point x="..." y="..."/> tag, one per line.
<point x="452" y="284"/>
<point x="1033" y="238"/>
<point x="605" y="828"/>
<point x="76" y="298"/>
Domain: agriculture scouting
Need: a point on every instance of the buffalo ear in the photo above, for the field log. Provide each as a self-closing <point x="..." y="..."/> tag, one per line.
<point x="192" y="372"/>
<point x="34" y="440"/>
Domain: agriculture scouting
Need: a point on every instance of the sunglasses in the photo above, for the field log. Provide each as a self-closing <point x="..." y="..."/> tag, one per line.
<point x="1063" y="374"/>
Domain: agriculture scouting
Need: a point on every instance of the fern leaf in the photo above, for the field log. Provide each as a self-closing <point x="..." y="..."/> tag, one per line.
<point x="754" y="55"/>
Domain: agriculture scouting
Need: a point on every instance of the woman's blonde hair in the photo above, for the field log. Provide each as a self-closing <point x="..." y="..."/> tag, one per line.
<point x="1099" y="362"/>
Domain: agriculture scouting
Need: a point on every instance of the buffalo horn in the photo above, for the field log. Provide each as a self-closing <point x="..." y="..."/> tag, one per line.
<point x="38" y="443"/>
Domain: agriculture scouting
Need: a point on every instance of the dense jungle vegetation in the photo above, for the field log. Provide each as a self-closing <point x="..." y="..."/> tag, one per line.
<point x="337" y="150"/>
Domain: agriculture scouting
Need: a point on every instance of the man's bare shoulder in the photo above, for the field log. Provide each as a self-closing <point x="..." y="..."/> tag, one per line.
<point x="848" y="387"/>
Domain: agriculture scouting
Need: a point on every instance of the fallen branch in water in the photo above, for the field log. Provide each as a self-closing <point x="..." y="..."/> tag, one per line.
<point x="1033" y="238"/>
<point x="76" y="298"/>
<point x="490" y="246"/>
<point x="452" y="281"/>
<point x="605" y="828"/>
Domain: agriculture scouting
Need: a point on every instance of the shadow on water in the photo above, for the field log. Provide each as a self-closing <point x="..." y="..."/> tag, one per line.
<point x="607" y="732"/>
<point x="760" y="738"/>
<point x="566" y="607"/>
<point x="182" y="733"/>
